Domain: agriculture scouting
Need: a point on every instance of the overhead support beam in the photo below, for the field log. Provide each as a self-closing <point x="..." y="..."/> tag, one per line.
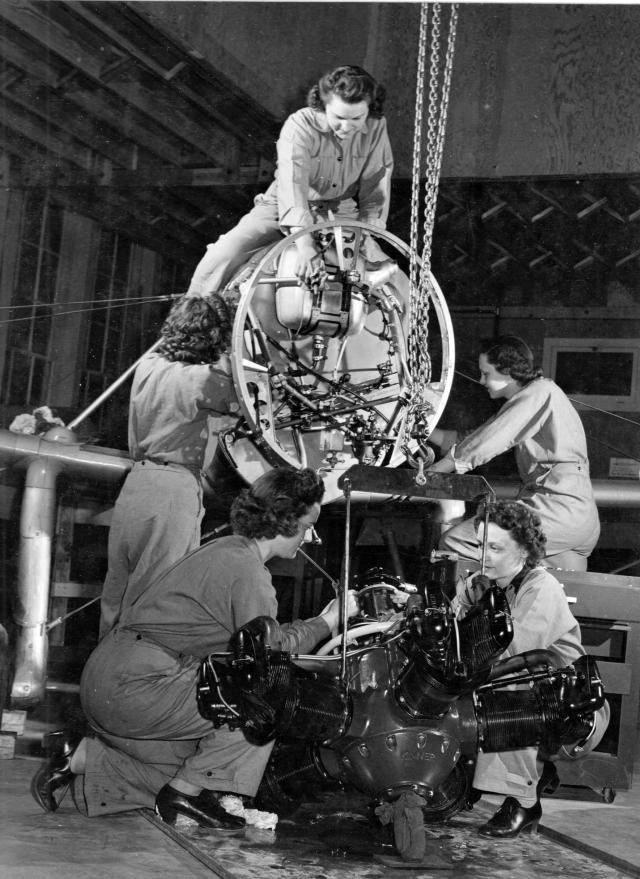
<point x="158" y="105"/>
<point x="245" y="175"/>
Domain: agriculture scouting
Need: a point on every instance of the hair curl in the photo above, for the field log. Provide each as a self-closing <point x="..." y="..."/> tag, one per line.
<point x="275" y="503"/>
<point x="511" y="356"/>
<point x="351" y="84"/>
<point x="521" y="522"/>
<point x="197" y="329"/>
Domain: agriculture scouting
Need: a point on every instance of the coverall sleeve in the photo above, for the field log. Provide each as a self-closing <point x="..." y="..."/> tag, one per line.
<point x="541" y="617"/>
<point x="302" y="636"/>
<point x="519" y="419"/>
<point x="294" y="162"/>
<point x="255" y="596"/>
<point x="374" y="191"/>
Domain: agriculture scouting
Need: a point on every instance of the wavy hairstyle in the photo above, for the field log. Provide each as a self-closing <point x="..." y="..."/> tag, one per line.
<point x="511" y="356"/>
<point x="275" y="503"/>
<point x="351" y="84"/>
<point x="197" y="329"/>
<point x="521" y="522"/>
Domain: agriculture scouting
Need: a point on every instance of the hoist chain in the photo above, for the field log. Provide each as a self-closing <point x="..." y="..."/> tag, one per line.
<point x="420" y="282"/>
<point x="417" y="150"/>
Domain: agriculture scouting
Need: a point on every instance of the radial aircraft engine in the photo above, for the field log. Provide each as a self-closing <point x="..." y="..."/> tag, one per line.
<point x="422" y="691"/>
<point x="322" y="370"/>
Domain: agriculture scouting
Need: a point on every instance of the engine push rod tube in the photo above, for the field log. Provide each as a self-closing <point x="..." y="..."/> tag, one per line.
<point x="344" y="595"/>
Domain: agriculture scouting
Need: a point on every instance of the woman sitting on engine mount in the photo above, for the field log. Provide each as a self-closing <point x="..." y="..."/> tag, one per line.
<point x="541" y="619"/>
<point x="333" y="155"/>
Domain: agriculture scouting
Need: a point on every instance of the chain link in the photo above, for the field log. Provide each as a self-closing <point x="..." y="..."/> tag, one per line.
<point x="420" y="281"/>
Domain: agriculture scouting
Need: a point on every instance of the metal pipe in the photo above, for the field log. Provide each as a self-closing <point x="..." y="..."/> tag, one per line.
<point x="620" y="493"/>
<point x="20" y="449"/>
<point x="344" y="594"/>
<point x="607" y="492"/>
<point x="44" y="458"/>
<point x="37" y="529"/>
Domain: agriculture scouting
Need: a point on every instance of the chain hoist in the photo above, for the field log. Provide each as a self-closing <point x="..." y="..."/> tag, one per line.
<point x="420" y="269"/>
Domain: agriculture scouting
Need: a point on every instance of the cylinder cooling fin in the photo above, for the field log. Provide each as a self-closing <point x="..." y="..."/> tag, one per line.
<point x="557" y="709"/>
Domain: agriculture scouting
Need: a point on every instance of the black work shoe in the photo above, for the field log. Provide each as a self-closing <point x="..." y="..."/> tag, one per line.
<point x="201" y="808"/>
<point x="549" y="781"/>
<point x="55" y="775"/>
<point x="474" y="796"/>
<point x="512" y="819"/>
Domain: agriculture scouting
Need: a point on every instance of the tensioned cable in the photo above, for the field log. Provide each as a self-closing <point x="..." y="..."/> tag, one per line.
<point x="590" y="406"/>
<point x="133" y="299"/>
<point x="573" y="400"/>
<point x="107" y="306"/>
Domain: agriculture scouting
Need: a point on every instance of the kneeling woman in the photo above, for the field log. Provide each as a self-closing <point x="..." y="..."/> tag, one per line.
<point x="542" y="619"/>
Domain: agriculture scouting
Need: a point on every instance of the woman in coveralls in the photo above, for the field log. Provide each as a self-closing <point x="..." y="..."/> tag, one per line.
<point x="182" y="394"/>
<point x="333" y="155"/>
<point x="541" y="620"/>
<point x="150" y="745"/>
<point x="539" y="422"/>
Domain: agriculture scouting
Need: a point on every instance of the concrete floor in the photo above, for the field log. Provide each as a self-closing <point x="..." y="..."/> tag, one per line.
<point x="65" y="845"/>
<point x="35" y="845"/>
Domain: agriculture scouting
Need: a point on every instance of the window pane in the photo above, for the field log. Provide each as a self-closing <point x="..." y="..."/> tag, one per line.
<point x="596" y="373"/>
<point x="25" y="286"/>
<point x="18" y="379"/>
<point x="48" y="274"/>
<point x="41" y="331"/>
<point x="32" y="218"/>
<point x="39" y="382"/>
<point x="53" y="229"/>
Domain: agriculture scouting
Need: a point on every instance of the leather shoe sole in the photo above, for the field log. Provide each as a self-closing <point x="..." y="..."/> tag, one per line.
<point x="201" y="808"/>
<point x="55" y="775"/>
<point x="512" y="819"/>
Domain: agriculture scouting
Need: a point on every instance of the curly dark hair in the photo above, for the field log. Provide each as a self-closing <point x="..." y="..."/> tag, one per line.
<point x="512" y="356"/>
<point x="275" y="502"/>
<point x="521" y="522"/>
<point x="197" y="329"/>
<point x="351" y="84"/>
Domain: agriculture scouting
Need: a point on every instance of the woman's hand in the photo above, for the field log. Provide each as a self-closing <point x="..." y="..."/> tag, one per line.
<point x="446" y="464"/>
<point x="331" y="613"/>
<point x="308" y="260"/>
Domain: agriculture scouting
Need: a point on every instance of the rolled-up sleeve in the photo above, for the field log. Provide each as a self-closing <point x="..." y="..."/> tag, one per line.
<point x="294" y="163"/>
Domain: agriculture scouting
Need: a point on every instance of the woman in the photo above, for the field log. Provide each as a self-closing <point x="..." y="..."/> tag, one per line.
<point x="138" y="689"/>
<point x="331" y="154"/>
<point x="539" y="422"/>
<point x="182" y="393"/>
<point x="541" y="620"/>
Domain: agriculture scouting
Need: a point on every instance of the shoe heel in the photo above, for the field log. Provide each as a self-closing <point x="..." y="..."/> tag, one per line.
<point x="552" y="787"/>
<point x="168" y="815"/>
<point x="55" y="745"/>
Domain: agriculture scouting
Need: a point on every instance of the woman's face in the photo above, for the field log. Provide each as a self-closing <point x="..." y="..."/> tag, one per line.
<point x="504" y="556"/>
<point x="289" y="546"/>
<point x="498" y="384"/>
<point x="346" y="119"/>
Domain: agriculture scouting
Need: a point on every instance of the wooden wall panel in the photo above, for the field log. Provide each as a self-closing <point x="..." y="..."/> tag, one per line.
<point x="537" y="88"/>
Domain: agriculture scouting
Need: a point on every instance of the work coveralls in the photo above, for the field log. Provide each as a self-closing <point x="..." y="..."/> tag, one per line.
<point x="175" y="408"/>
<point x="542" y="620"/>
<point x="138" y="688"/>
<point x="542" y="426"/>
<point x="316" y="173"/>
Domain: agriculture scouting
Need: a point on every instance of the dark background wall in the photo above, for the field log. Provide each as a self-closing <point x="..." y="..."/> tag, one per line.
<point x="536" y="89"/>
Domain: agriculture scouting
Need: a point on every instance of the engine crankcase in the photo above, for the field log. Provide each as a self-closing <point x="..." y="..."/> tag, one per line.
<point x="385" y="751"/>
